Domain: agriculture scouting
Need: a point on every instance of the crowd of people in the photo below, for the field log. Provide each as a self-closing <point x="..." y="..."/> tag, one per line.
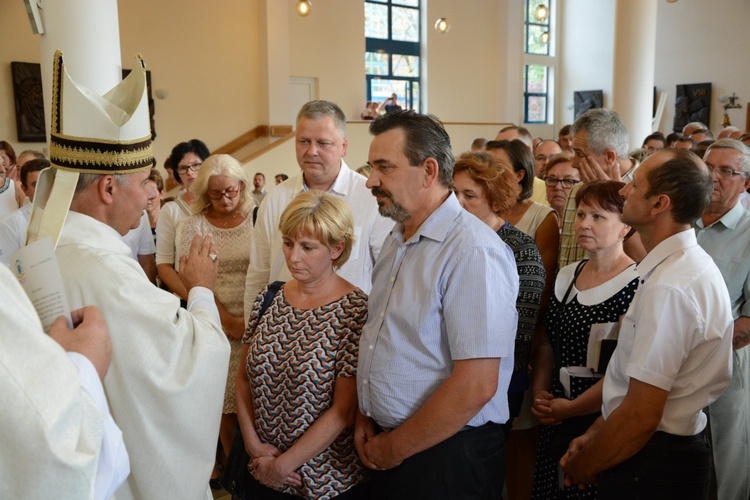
<point x="536" y="318"/>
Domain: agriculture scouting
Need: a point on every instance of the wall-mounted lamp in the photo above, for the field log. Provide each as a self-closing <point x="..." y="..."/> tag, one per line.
<point x="545" y="37"/>
<point x="541" y="13"/>
<point x="442" y="25"/>
<point x="304" y="7"/>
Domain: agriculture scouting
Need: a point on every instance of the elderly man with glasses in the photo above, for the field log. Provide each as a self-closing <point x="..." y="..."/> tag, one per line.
<point x="723" y="231"/>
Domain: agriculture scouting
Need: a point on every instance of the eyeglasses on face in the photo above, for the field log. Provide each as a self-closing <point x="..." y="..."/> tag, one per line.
<point x="229" y="193"/>
<point x="726" y="173"/>
<point x="552" y="181"/>
<point x="193" y="166"/>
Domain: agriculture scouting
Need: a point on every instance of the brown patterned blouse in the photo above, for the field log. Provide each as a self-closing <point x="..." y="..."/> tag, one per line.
<point x="293" y="360"/>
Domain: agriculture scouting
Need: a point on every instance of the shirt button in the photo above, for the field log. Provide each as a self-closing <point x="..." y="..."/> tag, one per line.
<point x="393" y="278"/>
<point x="364" y="382"/>
<point x="371" y="347"/>
<point x="369" y="414"/>
<point x="382" y="315"/>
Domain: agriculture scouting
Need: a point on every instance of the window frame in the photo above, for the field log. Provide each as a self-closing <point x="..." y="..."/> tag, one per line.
<point x="393" y="47"/>
<point x="527" y="94"/>
<point x="548" y="60"/>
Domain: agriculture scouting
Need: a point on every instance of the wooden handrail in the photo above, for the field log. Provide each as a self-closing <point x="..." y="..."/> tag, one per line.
<point x="243" y="140"/>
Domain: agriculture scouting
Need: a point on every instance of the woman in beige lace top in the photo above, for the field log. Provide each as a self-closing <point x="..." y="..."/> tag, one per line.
<point x="221" y="207"/>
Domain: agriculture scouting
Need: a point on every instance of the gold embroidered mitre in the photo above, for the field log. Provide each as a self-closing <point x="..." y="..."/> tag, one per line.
<point x="109" y="134"/>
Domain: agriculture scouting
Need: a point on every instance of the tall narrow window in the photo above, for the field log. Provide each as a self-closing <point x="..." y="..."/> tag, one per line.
<point x="539" y="61"/>
<point x="536" y="86"/>
<point x="392" y="34"/>
<point x="537" y="27"/>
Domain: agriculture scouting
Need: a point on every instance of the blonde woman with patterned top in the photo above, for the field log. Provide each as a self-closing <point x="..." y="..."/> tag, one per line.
<point x="297" y="397"/>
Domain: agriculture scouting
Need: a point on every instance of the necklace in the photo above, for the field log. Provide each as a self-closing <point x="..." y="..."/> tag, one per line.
<point x="225" y="222"/>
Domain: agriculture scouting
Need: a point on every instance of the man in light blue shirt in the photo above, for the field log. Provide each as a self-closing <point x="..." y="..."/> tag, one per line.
<point x="436" y="353"/>
<point x="723" y="232"/>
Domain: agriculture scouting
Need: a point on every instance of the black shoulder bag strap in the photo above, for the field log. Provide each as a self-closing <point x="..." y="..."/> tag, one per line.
<point x="273" y="289"/>
<point x="557" y="347"/>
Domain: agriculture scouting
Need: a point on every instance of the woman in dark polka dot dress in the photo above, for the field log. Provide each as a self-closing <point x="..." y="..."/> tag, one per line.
<point x="599" y="291"/>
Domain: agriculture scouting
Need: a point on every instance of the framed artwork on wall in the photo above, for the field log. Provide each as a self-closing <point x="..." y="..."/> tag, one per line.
<point x="585" y="100"/>
<point x="692" y="104"/>
<point x="29" y="102"/>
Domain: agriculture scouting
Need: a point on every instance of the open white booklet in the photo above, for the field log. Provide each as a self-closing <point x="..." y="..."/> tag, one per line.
<point x="602" y="339"/>
<point x="35" y="267"/>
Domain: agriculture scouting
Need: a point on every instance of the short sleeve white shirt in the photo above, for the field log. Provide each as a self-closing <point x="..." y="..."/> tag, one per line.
<point x="676" y="335"/>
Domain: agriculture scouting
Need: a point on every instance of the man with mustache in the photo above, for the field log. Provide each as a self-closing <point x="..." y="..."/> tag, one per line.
<point x="321" y="146"/>
<point x="436" y="354"/>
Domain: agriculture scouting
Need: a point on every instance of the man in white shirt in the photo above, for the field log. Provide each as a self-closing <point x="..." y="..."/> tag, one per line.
<point x="674" y="352"/>
<point x="13" y="227"/>
<point x="259" y="189"/>
<point x="321" y="146"/>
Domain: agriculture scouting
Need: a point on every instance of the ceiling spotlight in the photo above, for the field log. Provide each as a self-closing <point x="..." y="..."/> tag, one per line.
<point x="541" y="13"/>
<point x="442" y="25"/>
<point x="304" y="7"/>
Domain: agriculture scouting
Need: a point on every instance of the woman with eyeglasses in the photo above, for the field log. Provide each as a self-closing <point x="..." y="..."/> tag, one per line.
<point x="559" y="178"/>
<point x="221" y="205"/>
<point x="186" y="160"/>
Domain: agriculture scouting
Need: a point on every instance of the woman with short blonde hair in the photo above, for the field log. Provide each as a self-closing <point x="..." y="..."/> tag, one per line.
<point x="297" y="397"/>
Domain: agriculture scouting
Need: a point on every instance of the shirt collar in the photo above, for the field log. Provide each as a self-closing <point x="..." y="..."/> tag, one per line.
<point x="340" y="186"/>
<point x="729" y="219"/>
<point x="437" y="225"/>
<point x="675" y="243"/>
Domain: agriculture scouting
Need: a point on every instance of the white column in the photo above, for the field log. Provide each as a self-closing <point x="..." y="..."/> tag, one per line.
<point x="273" y="24"/>
<point x="634" y="58"/>
<point x="88" y="33"/>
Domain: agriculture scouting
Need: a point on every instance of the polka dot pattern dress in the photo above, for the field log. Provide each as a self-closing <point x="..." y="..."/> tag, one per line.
<point x="605" y="303"/>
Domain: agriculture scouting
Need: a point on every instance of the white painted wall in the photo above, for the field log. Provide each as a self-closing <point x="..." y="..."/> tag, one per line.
<point x="696" y="42"/>
<point x="587" y="41"/>
<point x="467" y="67"/>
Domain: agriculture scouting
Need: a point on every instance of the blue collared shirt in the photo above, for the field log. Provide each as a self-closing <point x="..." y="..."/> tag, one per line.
<point x="727" y="241"/>
<point x="448" y="293"/>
